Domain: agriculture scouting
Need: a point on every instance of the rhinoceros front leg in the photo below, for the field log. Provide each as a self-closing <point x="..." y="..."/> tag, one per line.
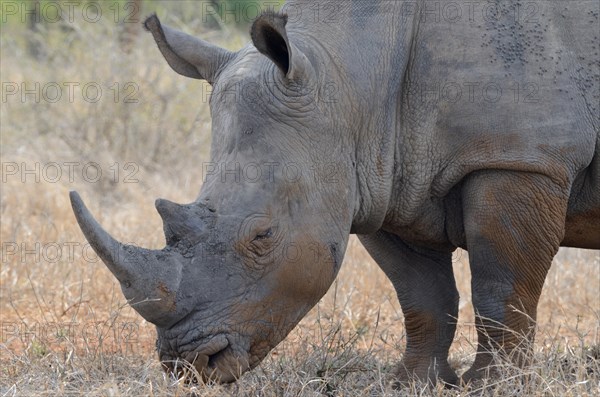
<point x="514" y="223"/>
<point x="425" y="285"/>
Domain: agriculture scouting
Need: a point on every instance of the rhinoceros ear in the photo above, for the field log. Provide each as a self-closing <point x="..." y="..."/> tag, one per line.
<point x="187" y="55"/>
<point x="269" y="36"/>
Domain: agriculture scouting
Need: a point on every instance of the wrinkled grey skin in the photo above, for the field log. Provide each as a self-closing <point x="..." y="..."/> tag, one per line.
<point x="416" y="176"/>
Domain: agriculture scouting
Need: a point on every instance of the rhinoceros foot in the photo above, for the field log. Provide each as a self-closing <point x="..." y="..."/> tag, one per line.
<point x="404" y="374"/>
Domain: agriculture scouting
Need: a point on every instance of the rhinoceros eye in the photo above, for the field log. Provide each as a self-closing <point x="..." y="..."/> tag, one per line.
<point x="262" y="244"/>
<point x="264" y="235"/>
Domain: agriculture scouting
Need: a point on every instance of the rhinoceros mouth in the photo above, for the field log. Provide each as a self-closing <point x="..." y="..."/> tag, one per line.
<point x="217" y="360"/>
<point x="225" y="366"/>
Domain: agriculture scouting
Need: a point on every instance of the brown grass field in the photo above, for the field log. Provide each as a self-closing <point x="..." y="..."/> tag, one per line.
<point x="65" y="326"/>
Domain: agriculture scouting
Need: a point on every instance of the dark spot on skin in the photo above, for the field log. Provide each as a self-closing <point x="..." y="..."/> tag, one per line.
<point x="167" y="297"/>
<point x="163" y="288"/>
<point x="248" y="131"/>
<point x="333" y="249"/>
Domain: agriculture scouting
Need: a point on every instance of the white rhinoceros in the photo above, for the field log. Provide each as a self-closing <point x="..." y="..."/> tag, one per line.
<point x="462" y="128"/>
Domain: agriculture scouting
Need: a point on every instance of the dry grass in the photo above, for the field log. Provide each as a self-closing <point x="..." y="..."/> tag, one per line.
<point x="65" y="328"/>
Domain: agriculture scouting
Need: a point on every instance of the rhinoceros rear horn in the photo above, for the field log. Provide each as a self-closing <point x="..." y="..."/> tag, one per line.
<point x="149" y="278"/>
<point x="187" y="55"/>
<point x="181" y="222"/>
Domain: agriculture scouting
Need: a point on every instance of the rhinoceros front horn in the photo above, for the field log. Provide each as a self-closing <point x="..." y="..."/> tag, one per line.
<point x="149" y="278"/>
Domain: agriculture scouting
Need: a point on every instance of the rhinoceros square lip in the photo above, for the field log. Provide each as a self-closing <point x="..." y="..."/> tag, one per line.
<point x="214" y="345"/>
<point x="215" y="357"/>
<point x="204" y="357"/>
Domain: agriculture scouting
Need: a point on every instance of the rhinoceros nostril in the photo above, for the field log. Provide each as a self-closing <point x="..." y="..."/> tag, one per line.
<point x="214" y="358"/>
<point x="201" y="357"/>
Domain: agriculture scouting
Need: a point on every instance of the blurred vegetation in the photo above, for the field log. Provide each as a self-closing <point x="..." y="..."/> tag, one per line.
<point x="145" y="114"/>
<point x="40" y="16"/>
<point x="214" y="12"/>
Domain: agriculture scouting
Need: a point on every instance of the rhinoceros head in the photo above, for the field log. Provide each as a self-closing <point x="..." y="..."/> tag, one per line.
<point x="264" y="240"/>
